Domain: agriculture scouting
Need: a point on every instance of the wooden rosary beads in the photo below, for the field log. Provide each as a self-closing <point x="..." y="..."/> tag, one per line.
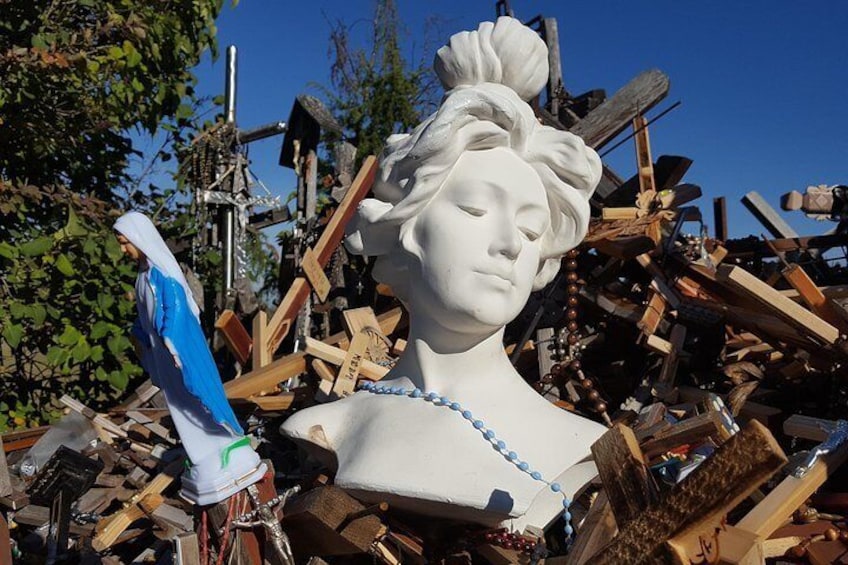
<point x="567" y="348"/>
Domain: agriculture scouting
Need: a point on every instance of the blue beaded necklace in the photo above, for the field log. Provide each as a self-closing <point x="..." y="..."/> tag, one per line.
<point x="487" y="433"/>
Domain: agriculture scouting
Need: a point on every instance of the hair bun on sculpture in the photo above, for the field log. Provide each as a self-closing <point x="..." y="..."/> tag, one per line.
<point x="505" y="52"/>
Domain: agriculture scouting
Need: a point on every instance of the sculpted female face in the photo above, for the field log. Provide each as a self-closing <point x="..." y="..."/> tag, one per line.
<point x="478" y="241"/>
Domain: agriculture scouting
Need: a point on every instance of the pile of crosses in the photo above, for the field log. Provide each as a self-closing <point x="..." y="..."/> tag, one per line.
<point x="706" y="357"/>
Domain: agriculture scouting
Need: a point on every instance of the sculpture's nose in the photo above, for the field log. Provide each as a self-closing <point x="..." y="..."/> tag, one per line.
<point x="508" y="243"/>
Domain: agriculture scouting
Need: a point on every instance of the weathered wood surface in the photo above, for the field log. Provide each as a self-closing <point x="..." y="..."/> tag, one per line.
<point x="768" y="216"/>
<point x="318" y="523"/>
<point x="626" y="479"/>
<point x="773" y="511"/>
<point x="775" y="303"/>
<point x="613" y="116"/>
<point x="717" y="485"/>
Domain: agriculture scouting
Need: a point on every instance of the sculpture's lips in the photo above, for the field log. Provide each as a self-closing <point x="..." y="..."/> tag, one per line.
<point x="496" y="274"/>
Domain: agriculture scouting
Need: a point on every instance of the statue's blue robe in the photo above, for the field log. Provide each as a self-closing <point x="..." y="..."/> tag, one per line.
<point x="179" y="331"/>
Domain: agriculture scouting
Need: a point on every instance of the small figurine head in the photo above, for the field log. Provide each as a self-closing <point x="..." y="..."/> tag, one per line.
<point x="476" y="206"/>
<point x="141" y="241"/>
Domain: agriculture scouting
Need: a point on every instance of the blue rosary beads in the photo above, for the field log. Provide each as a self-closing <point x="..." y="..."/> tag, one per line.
<point x="487" y="433"/>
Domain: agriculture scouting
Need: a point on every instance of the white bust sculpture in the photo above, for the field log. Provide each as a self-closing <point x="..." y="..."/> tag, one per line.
<point x="473" y="211"/>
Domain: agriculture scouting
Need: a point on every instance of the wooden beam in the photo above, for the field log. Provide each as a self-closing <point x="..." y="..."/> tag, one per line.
<point x="597" y="529"/>
<point x="235" y="336"/>
<point x="611" y="118"/>
<point x="261" y="357"/>
<point x="654" y="312"/>
<point x="768" y="216"/>
<point x="336" y="356"/>
<point x="669" y="368"/>
<point x="772" y="301"/>
<point x="644" y="163"/>
<point x="622" y="469"/>
<point x="812" y="296"/>
<point x="280" y="323"/>
<point x="627" y="213"/>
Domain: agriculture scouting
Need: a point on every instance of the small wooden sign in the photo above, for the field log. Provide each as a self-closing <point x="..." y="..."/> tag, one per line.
<point x="346" y="381"/>
<point x="315" y="274"/>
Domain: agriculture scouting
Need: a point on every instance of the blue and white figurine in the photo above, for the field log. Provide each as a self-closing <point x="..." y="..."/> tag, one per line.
<point x="472" y="211"/>
<point x="175" y="354"/>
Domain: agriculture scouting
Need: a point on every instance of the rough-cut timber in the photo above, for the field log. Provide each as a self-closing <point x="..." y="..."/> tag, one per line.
<point x="613" y="116"/>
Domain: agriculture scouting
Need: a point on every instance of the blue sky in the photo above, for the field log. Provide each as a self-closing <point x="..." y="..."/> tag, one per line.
<point x="763" y="84"/>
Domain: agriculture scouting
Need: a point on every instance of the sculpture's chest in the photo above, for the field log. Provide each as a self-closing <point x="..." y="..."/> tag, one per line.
<point x="408" y="448"/>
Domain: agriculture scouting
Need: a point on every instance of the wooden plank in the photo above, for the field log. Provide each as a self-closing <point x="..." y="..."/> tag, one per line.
<point x="110" y="528"/>
<point x="717" y="543"/>
<point x="98" y="419"/>
<point x="668" y="373"/>
<point x="654" y="312"/>
<point x="555" y="84"/>
<point x="611" y="118"/>
<point x="318" y="523"/>
<point x="784" y="308"/>
<point x="671" y="296"/>
<point x="336" y="356"/>
<point x="314" y="272"/>
<point x="186" y="549"/>
<point x="626" y="213"/>
<point x="812" y="296"/>
<point x="280" y="322"/>
<point x="345" y="384"/>
<point x="235" y="336"/>
<point x="596" y="530"/>
<point x="644" y="163"/>
<point x="266" y="378"/>
<point x="5" y="480"/>
<point x="622" y="469"/>
<point x="716" y="486"/>
<point x="691" y="430"/>
<point x="261" y="356"/>
<point x="357" y="319"/>
<point x="5" y="543"/>
<point x="768" y="216"/>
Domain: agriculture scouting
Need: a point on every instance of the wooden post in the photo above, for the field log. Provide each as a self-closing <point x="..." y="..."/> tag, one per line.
<point x="261" y="356"/>
<point x="622" y="469"/>
<point x="644" y="163"/>
<point x="720" y="218"/>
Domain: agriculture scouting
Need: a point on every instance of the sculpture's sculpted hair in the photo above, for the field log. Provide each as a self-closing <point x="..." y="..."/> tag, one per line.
<point x="488" y="75"/>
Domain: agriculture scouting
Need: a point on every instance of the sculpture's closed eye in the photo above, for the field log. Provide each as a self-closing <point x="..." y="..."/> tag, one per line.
<point x="530" y="234"/>
<point x="471" y="210"/>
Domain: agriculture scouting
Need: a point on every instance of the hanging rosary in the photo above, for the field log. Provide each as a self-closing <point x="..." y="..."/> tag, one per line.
<point x="567" y="349"/>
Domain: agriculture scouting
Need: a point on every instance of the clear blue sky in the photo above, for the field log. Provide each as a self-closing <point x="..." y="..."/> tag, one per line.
<point x="764" y="84"/>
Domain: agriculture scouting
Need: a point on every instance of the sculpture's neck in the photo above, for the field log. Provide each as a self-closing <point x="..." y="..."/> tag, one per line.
<point x="453" y="364"/>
